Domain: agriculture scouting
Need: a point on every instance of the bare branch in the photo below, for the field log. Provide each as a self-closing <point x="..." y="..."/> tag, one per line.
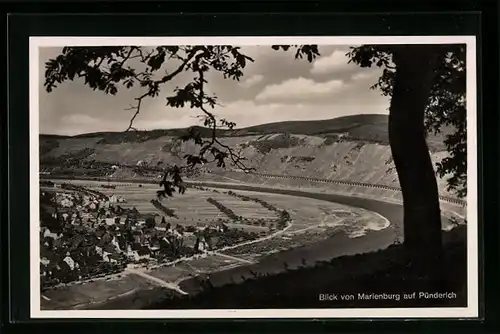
<point x="156" y="83"/>
<point x="132" y="48"/>
<point x="137" y="109"/>
<point x="144" y="58"/>
<point x="170" y="76"/>
<point x="236" y="158"/>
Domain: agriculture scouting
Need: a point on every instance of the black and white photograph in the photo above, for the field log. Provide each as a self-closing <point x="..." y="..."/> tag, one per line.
<point x="253" y="177"/>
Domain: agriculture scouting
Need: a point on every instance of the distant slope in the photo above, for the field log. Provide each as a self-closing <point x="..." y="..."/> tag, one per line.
<point x="365" y="127"/>
<point x="347" y="148"/>
<point x="320" y="127"/>
<point x="345" y="124"/>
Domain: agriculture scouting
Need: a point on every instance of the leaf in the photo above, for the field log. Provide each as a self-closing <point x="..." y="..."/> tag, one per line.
<point x="129" y="83"/>
<point x="155" y="62"/>
<point x="241" y="59"/>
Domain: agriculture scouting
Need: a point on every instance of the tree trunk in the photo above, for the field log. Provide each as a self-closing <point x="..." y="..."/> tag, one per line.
<point x="415" y="67"/>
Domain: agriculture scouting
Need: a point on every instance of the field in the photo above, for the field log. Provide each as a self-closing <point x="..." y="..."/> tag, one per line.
<point x="307" y="214"/>
<point x="191" y="207"/>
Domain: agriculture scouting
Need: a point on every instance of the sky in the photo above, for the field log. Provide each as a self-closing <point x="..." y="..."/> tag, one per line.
<point x="275" y="87"/>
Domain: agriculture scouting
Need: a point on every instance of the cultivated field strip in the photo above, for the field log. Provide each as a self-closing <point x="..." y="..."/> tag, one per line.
<point x="247" y="209"/>
<point x="189" y="207"/>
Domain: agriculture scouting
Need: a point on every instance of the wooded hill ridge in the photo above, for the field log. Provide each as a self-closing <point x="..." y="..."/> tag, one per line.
<point x="362" y="127"/>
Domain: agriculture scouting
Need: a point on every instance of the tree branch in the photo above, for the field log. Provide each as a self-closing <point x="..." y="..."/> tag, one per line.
<point x="156" y="83"/>
<point x="235" y="157"/>
<point x="137" y="109"/>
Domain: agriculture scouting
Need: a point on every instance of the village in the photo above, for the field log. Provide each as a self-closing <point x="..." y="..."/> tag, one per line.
<point x="85" y="234"/>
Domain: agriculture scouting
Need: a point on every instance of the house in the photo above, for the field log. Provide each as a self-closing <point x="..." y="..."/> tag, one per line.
<point x="109" y="221"/>
<point x="88" y="222"/>
<point x="201" y="244"/>
<point x="66" y="202"/>
<point x="69" y="261"/>
<point x="188" y="234"/>
<point x="49" y="234"/>
<point x="105" y="239"/>
<point x="115" y="258"/>
<point x="138" y="236"/>
<point x="133" y="256"/>
<point x="105" y="256"/>
<point x="77" y="225"/>
<point x="115" y="243"/>
<point x="109" y="247"/>
<point x="155" y="248"/>
<point x="122" y="243"/>
<point x="213" y="241"/>
<point x="58" y="243"/>
<point x="130" y="252"/>
<point x="99" y="250"/>
<point x="76" y="241"/>
<point x="104" y="204"/>
<point x="144" y="253"/>
<point x="140" y="253"/>
<point x="164" y="239"/>
<point x="99" y="233"/>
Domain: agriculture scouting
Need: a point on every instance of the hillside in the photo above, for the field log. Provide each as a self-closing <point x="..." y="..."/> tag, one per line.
<point x="317" y="127"/>
<point x="351" y="148"/>
<point x="365" y="127"/>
